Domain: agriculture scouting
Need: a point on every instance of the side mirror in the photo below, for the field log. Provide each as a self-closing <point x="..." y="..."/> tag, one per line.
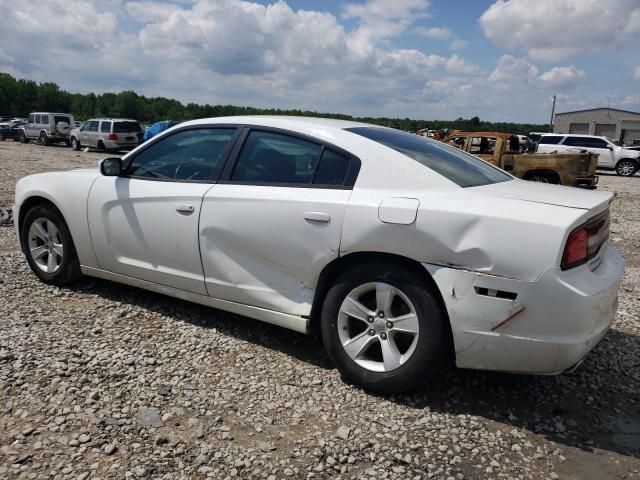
<point x="609" y="147"/>
<point x="111" y="167"/>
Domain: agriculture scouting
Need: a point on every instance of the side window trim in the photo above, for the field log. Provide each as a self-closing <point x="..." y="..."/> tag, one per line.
<point x="225" y="154"/>
<point x="350" y="178"/>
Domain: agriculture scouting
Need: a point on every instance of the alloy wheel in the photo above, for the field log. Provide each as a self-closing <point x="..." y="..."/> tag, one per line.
<point x="45" y="245"/>
<point x="540" y="178"/>
<point x="378" y="327"/>
<point x="626" y="168"/>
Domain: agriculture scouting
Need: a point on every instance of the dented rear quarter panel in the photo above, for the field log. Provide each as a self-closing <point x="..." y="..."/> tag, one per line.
<point x="464" y="229"/>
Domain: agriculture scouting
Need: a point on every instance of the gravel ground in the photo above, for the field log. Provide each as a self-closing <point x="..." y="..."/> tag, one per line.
<point x="107" y="381"/>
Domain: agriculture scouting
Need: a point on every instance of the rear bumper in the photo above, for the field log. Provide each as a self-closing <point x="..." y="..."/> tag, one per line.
<point x="565" y="315"/>
<point x="589" y="183"/>
<point x="120" y="145"/>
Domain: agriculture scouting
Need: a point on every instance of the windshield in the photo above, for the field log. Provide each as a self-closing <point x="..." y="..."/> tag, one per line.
<point x="126" y="127"/>
<point x="452" y="163"/>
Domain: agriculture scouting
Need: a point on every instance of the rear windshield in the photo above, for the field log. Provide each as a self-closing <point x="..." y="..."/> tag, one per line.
<point x="61" y="118"/>
<point x="452" y="163"/>
<point x="126" y="127"/>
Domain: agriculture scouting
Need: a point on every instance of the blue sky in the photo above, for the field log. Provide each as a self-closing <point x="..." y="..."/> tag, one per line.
<point x="500" y="60"/>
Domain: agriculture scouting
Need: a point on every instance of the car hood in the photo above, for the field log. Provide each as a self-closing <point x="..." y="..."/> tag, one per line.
<point x="547" y="194"/>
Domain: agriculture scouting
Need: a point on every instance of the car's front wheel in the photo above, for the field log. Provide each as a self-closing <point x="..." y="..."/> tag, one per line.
<point x="626" y="167"/>
<point x="384" y="329"/>
<point x="75" y="144"/>
<point x="48" y="246"/>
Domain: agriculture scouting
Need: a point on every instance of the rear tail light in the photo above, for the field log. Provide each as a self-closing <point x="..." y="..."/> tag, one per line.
<point x="585" y="242"/>
<point x="112" y="136"/>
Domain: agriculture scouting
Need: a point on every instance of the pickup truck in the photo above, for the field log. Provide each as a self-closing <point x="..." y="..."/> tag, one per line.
<point x="502" y="150"/>
<point x="46" y="128"/>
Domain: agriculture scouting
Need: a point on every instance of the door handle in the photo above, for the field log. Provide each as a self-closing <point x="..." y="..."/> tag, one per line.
<point x="317" y="216"/>
<point x="184" y="208"/>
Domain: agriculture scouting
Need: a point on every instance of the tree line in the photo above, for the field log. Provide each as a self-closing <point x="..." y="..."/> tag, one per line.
<point x="19" y="97"/>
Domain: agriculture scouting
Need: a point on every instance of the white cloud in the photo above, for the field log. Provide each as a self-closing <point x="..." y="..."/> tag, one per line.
<point x="562" y="77"/>
<point x="440" y="33"/>
<point x="636" y="73"/>
<point x="238" y="52"/>
<point x="458" y="44"/>
<point x="512" y="70"/>
<point x="552" y="30"/>
<point x="148" y="11"/>
<point x="379" y="19"/>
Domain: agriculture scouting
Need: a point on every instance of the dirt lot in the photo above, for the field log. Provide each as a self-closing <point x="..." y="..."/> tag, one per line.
<point x="103" y="380"/>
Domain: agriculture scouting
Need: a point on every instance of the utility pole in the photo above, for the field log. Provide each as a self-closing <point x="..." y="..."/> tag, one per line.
<point x="553" y="109"/>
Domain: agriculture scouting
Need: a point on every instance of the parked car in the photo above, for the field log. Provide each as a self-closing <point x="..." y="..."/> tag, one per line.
<point x="571" y="169"/>
<point x="107" y="134"/>
<point x="10" y="131"/>
<point x="402" y="251"/>
<point x="624" y="161"/>
<point x="46" y="128"/>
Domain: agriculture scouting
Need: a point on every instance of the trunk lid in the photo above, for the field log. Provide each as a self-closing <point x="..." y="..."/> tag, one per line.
<point x="548" y="194"/>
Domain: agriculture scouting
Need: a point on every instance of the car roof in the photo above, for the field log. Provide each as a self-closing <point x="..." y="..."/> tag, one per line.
<point x="573" y="135"/>
<point x="49" y="113"/>
<point x="112" y="119"/>
<point x="285" y="121"/>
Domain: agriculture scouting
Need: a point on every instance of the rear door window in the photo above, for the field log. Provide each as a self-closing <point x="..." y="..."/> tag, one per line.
<point x="332" y="170"/>
<point x="105" y="127"/>
<point x="550" y="140"/>
<point x="483" y="145"/>
<point x="269" y="157"/>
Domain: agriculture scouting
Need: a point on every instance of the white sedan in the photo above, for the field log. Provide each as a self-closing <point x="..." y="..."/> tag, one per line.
<point x="403" y="252"/>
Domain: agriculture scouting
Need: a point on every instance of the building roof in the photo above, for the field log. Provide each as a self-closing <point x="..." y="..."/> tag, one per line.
<point x="599" y="108"/>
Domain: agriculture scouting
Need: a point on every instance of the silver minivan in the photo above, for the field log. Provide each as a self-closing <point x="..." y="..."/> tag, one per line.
<point x="107" y="134"/>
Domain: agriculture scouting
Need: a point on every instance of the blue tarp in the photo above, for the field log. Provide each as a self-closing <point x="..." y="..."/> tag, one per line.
<point x="158" y="127"/>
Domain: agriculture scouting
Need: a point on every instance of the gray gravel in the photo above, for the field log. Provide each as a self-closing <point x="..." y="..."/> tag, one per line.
<point x="107" y="381"/>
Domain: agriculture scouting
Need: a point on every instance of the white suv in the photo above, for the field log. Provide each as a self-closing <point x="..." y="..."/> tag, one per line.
<point x="624" y="161"/>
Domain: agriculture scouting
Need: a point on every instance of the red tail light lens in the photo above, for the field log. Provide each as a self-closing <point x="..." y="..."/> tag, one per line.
<point x="575" y="252"/>
<point x="112" y="136"/>
<point x="585" y="242"/>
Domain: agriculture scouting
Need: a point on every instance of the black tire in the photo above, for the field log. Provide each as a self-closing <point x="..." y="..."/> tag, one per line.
<point x="69" y="268"/>
<point x="432" y="350"/>
<point x="2" y="137"/>
<point x="626" y="167"/>
<point x="100" y="146"/>
<point x="75" y="144"/>
<point x="44" y="139"/>
<point x="23" y="138"/>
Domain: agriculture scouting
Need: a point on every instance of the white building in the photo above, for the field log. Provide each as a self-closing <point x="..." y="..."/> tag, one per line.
<point x="616" y="124"/>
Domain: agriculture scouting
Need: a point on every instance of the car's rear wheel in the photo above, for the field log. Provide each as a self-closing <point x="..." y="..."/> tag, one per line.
<point x="44" y="139"/>
<point x="101" y="146"/>
<point x="384" y="329"/>
<point x="48" y="246"/>
<point x="626" y="167"/>
<point x="75" y="144"/>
